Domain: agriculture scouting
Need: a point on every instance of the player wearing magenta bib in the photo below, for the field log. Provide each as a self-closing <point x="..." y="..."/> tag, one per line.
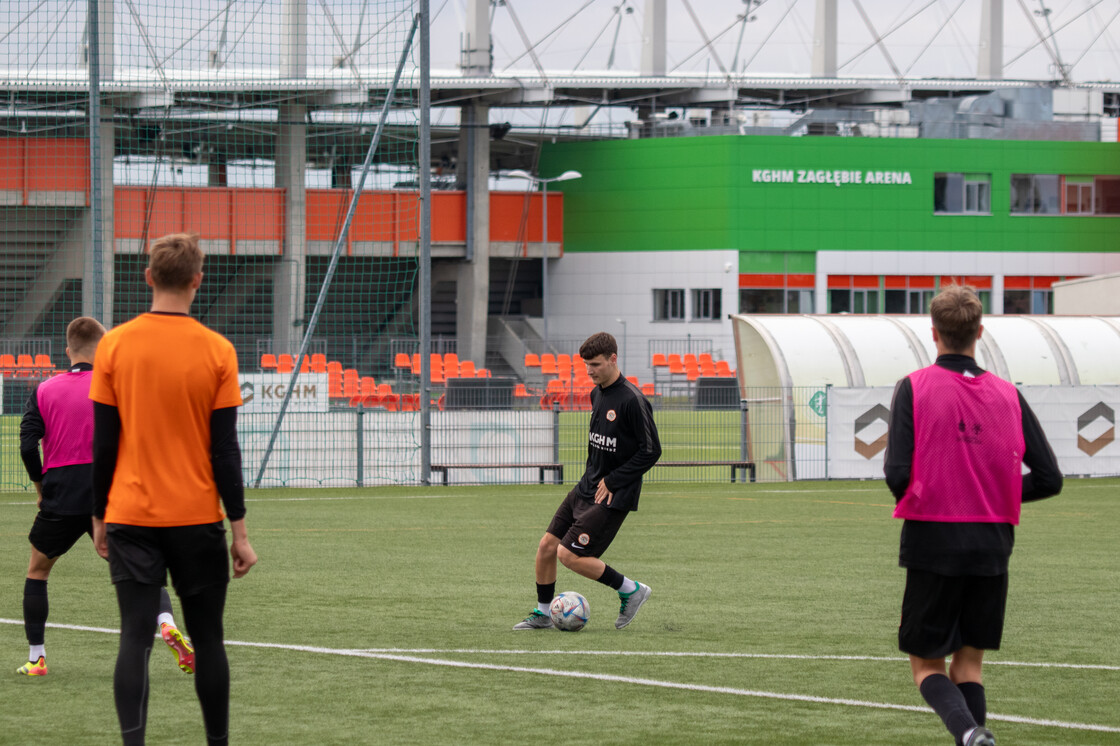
<point x="958" y="439"/>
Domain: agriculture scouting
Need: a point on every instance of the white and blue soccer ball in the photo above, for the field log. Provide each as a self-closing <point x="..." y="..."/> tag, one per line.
<point x="569" y="611"/>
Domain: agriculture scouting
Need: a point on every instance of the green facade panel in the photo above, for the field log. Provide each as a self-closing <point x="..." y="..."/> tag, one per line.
<point x="703" y="193"/>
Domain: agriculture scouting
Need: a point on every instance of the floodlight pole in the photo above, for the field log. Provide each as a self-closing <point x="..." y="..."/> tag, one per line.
<point x="566" y="176"/>
<point x="425" y="173"/>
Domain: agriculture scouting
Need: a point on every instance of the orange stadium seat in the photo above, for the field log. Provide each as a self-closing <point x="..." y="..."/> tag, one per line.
<point x="466" y="369"/>
<point x="531" y="360"/>
<point x="43" y="362"/>
<point x="284" y="363"/>
<point x="482" y="373"/>
<point x="402" y="360"/>
<point x="334" y="366"/>
<point x="268" y="361"/>
<point x="659" y="360"/>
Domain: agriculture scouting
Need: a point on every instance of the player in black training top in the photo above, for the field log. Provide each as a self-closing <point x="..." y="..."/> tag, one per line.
<point x="622" y="445"/>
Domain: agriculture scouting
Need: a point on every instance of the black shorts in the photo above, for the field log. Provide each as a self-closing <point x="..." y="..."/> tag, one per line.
<point x="54" y="534"/>
<point x="195" y="556"/>
<point x="585" y="527"/>
<point x="941" y="613"/>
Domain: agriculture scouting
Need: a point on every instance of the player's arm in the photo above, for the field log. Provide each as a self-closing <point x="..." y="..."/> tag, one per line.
<point x="106" y="446"/>
<point x="899" y="457"/>
<point x="639" y="416"/>
<point x="32" y="428"/>
<point x="225" y="459"/>
<point x="1045" y="476"/>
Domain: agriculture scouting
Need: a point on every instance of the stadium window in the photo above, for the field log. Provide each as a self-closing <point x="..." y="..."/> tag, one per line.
<point x="706" y="304"/>
<point x="1035" y="194"/>
<point x="799" y="301"/>
<point x="1079" y="195"/>
<point x="1107" y="195"/>
<point x="845" y="300"/>
<point x="761" y="300"/>
<point x="668" y="304"/>
<point x="962" y="194"/>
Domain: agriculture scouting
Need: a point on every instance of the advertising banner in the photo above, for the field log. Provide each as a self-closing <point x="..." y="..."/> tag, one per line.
<point x="1079" y="422"/>
<point x="264" y="392"/>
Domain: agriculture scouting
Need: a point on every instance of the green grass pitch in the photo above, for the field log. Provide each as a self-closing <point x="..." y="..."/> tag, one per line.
<point x="382" y="616"/>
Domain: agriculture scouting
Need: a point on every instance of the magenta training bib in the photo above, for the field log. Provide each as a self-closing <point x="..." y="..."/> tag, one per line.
<point x="68" y="418"/>
<point x="968" y="449"/>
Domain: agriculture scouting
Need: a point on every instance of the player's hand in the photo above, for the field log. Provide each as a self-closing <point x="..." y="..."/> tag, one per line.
<point x="100" y="540"/>
<point x="602" y="493"/>
<point x="243" y="557"/>
<point x="38" y="495"/>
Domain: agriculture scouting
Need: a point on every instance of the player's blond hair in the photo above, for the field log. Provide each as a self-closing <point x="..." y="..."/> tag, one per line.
<point x="956" y="313"/>
<point x="175" y="260"/>
<point x="83" y="334"/>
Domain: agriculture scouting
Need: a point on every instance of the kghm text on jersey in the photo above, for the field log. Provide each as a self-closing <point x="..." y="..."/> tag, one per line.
<point x="603" y="442"/>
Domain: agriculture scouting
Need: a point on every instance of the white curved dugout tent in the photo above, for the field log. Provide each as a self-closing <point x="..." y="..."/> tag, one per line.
<point x="786" y="362"/>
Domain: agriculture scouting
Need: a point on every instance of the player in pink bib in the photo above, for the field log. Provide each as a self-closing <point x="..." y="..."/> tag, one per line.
<point x="959" y="437"/>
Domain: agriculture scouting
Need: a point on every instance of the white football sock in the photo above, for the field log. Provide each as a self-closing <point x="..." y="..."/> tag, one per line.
<point x="628" y="586"/>
<point x="165" y="618"/>
<point x="37" y="652"/>
<point x="543" y="608"/>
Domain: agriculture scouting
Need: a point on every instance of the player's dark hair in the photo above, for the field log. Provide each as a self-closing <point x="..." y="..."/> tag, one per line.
<point x="597" y="344"/>
<point x="956" y="313"/>
<point x="175" y="260"/>
<point x="83" y="334"/>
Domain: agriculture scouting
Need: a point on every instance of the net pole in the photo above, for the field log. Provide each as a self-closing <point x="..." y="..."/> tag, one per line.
<point x="95" y="303"/>
<point x="425" y="245"/>
<point x="338" y="246"/>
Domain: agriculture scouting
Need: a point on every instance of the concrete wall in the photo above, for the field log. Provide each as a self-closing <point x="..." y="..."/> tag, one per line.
<point x="1089" y="296"/>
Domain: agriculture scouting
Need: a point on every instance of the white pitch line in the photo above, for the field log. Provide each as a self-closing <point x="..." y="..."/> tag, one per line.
<point x="619" y="679"/>
<point x="693" y="654"/>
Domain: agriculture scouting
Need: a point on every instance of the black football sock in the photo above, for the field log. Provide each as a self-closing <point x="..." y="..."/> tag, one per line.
<point x="35" y="609"/>
<point x="947" y="701"/>
<point x="611" y="578"/>
<point x="977" y="701"/>
<point x="545" y="593"/>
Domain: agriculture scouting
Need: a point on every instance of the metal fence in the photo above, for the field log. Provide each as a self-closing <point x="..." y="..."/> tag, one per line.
<point x="492" y="436"/>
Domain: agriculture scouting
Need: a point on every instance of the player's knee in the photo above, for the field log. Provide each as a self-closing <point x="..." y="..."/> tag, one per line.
<point x="548" y="545"/>
<point x="567" y="557"/>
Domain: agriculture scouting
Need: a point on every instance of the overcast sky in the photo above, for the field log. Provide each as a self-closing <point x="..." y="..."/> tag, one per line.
<point x="923" y="38"/>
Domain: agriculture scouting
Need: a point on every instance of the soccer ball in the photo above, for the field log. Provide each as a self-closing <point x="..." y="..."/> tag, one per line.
<point x="569" y="611"/>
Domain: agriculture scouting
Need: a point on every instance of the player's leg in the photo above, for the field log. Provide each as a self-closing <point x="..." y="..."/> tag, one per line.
<point x="928" y="633"/>
<point x="202" y="613"/>
<point x="545" y="575"/>
<point x="36" y="607"/>
<point x="51" y="537"/>
<point x="586" y="540"/>
<point x="138" y="603"/>
<point x="966" y="671"/>
<point x="544" y="565"/>
<point x="985" y="600"/>
<point x="198" y="560"/>
<point x="179" y="645"/>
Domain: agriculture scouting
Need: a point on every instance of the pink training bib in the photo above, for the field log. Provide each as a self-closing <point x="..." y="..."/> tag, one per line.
<point x="968" y="449"/>
<point x="68" y="418"/>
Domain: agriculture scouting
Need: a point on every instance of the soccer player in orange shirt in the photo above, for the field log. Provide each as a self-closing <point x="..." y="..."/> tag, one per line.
<point x="166" y="459"/>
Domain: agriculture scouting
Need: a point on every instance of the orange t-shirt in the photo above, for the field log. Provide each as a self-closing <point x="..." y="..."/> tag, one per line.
<point x="165" y="374"/>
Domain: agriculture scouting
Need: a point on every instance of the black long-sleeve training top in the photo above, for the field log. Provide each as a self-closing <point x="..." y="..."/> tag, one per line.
<point x="622" y="443"/>
<point x="961" y="548"/>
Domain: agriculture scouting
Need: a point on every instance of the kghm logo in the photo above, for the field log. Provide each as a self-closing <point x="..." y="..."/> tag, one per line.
<point x="871" y="431"/>
<point x="1096" y="428"/>
<point x="246" y="393"/>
